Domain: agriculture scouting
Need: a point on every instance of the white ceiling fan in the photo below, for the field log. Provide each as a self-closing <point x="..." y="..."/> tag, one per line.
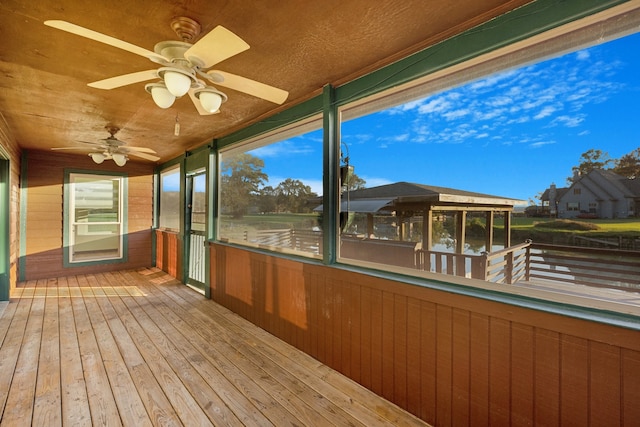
<point x="112" y="148"/>
<point x="183" y="66"/>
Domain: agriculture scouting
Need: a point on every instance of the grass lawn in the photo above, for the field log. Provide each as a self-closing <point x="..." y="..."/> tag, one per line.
<point x="615" y="226"/>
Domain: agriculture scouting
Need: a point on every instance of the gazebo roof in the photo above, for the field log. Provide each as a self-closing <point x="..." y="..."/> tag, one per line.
<point x="406" y="193"/>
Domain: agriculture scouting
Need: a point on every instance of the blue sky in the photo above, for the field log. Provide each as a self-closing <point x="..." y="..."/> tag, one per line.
<point x="510" y="134"/>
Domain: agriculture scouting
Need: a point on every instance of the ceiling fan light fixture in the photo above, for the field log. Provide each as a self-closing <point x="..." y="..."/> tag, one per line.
<point x="161" y="96"/>
<point x="119" y="159"/>
<point x="97" y="157"/>
<point x="178" y="81"/>
<point x="210" y="98"/>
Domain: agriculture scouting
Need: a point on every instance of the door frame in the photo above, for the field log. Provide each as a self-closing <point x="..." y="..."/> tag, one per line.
<point x="5" y="215"/>
<point x="195" y="163"/>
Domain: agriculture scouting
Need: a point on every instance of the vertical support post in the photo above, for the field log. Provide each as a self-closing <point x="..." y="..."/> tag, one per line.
<point x="330" y="184"/>
<point x="488" y="245"/>
<point x="427" y="229"/>
<point x="507" y="229"/>
<point x="461" y="224"/>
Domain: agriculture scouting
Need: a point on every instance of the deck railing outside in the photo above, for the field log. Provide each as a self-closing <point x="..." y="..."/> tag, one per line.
<point x="527" y="261"/>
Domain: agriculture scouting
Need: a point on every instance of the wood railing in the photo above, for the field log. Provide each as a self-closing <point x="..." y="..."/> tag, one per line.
<point x="607" y="268"/>
<point x="523" y="262"/>
<point x="537" y="261"/>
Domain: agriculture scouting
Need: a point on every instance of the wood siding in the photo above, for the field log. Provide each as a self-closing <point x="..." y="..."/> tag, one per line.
<point x="449" y="359"/>
<point x="169" y="253"/>
<point x="44" y="214"/>
<point x="10" y="145"/>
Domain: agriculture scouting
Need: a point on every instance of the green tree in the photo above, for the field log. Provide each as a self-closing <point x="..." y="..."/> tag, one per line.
<point x="590" y="160"/>
<point x="241" y="177"/>
<point x="292" y="196"/>
<point x="629" y="164"/>
<point x="267" y="199"/>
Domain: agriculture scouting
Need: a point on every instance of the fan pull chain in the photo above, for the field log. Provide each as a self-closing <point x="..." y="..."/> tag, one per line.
<point x="176" y="128"/>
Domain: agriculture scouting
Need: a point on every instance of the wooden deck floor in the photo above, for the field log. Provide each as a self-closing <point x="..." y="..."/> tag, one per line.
<point x="137" y="348"/>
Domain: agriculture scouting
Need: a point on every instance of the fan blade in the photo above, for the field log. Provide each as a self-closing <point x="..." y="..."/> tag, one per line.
<point x="144" y="156"/>
<point x="103" y="38"/>
<point x="98" y="144"/>
<point x="196" y="103"/>
<point x="124" y="80"/>
<point x="140" y="149"/>
<point x="216" y="46"/>
<point x="76" y="148"/>
<point x="248" y="86"/>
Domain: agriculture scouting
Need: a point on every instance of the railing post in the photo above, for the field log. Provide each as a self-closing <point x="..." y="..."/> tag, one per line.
<point x="508" y="270"/>
<point x="479" y="266"/>
<point x="527" y="262"/>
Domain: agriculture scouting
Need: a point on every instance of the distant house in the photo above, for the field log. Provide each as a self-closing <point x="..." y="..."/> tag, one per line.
<point x="600" y="193"/>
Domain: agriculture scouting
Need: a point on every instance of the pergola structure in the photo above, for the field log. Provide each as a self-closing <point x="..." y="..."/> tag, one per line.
<point x="406" y="199"/>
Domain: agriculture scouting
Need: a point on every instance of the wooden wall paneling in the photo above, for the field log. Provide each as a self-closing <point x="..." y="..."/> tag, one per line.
<point x="265" y="296"/>
<point x="324" y="328"/>
<point x="605" y="384"/>
<point x="414" y="355"/>
<point x="450" y="359"/>
<point x="630" y="374"/>
<point x="366" y="338"/>
<point x="400" y="340"/>
<point x="460" y="374"/>
<point x="444" y="364"/>
<point x="499" y="372"/>
<point x="574" y="381"/>
<point x="522" y="374"/>
<point x="388" y="346"/>
<point x="338" y="327"/>
<point x="479" y="370"/>
<point x="334" y="329"/>
<point x="351" y="347"/>
<point x="547" y="378"/>
<point x="377" y="342"/>
<point x="428" y="361"/>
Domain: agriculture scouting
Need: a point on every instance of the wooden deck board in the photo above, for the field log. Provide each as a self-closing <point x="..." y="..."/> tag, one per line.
<point x="138" y="348"/>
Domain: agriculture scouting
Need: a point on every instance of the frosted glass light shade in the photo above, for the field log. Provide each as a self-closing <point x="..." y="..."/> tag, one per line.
<point x="119" y="159"/>
<point x="161" y="96"/>
<point x="177" y="83"/>
<point x="97" y="157"/>
<point x="210" y="101"/>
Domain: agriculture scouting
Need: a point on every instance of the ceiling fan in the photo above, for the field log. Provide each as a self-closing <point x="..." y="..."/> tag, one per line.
<point x="113" y="148"/>
<point x="182" y="66"/>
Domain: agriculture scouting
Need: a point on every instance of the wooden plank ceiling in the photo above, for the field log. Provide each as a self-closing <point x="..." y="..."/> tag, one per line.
<point x="295" y="45"/>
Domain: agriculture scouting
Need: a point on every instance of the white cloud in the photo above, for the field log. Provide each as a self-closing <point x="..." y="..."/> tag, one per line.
<point x="569" y="121"/>
<point x="582" y="55"/>
<point x="545" y="112"/>
<point x="456" y="114"/>
<point x="437" y="105"/>
<point x="541" y="144"/>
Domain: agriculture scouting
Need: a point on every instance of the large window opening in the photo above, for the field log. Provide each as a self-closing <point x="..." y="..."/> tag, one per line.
<point x="96" y="217"/>
<point x="269" y="189"/>
<point x="478" y="173"/>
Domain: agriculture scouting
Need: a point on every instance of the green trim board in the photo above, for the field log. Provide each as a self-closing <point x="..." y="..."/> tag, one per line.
<point x="330" y="182"/>
<point x="24" y="184"/>
<point x="292" y="115"/>
<point x="66" y="218"/>
<point x="5" y="215"/>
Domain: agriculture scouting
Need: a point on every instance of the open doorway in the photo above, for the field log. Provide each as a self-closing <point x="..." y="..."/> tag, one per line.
<point x="195" y="228"/>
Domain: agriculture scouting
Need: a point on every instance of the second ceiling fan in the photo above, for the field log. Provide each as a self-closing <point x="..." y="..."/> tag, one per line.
<point x="183" y="65"/>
